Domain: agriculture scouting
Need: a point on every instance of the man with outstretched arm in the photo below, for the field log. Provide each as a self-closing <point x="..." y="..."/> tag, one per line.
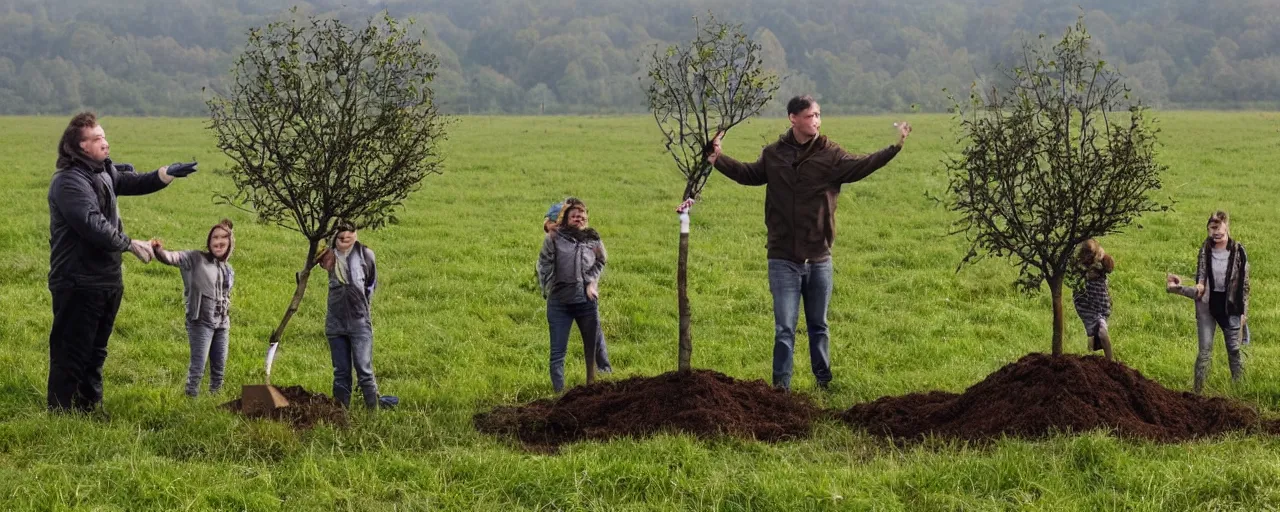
<point x="802" y="173"/>
<point x="86" y="239"/>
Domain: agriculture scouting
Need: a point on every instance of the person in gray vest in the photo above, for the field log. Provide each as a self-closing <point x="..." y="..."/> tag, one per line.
<point x="353" y="276"/>
<point x="207" y="278"/>
<point x="86" y="240"/>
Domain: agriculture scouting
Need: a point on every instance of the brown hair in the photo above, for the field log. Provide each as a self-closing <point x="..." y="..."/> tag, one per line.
<point x="1219" y="217"/>
<point x="1108" y="263"/>
<point x="227" y="225"/>
<point x="570" y="204"/>
<point x="69" y="151"/>
<point x="1089" y="255"/>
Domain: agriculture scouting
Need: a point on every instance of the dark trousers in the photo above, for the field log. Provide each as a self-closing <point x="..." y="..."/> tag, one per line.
<point x="82" y="323"/>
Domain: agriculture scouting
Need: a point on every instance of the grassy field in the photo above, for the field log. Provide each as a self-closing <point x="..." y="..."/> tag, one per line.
<point x="460" y="328"/>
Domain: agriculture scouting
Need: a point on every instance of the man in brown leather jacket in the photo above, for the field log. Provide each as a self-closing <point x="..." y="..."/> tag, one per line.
<point x="803" y="173"/>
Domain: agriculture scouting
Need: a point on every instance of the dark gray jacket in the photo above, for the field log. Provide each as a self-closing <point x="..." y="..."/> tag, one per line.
<point x="86" y="236"/>
<point x="349" y="303"/>
<point x="570" y="259"/>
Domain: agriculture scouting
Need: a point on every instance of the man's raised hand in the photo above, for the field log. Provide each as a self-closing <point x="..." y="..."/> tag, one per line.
<point x="713" y="152"/>
<point x="904" y="129"/>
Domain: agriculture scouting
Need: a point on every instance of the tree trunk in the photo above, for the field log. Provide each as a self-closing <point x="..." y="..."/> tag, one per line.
<point x="1055" y="289"/>
<point x="682" y="291"/>
<point x="301" y="281"/>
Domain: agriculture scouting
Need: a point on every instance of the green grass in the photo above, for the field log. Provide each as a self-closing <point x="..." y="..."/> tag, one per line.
<point x="460" y="328"/>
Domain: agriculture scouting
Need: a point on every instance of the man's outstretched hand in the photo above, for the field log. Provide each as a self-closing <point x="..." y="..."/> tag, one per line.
<point x="904" y="129"/>
<point x="713" y="152"/>
<point x="176" y="170"/>
<point x="181" y="170"/>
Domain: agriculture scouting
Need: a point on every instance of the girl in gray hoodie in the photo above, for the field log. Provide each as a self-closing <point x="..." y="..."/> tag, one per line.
<point x="207" y="278"/>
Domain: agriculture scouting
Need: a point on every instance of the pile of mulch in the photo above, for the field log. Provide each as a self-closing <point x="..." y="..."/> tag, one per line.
<point x="703" y="403"/>
<point x="1040" y="395"/>
<point x="304" y="411"/>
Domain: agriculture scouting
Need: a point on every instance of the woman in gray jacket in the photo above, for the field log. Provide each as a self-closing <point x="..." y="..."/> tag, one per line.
<point x="569" y="268"/>
<point x="207" y="278"/>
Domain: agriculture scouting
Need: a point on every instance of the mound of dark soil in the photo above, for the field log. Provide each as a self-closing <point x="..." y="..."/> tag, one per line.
<point x="305" y="409"/>
<point x="1042" y="394"/>
<point x="703" y="403"/>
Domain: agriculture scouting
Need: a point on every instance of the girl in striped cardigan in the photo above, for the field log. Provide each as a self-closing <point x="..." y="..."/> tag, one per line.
<point x="1222" y="297"/>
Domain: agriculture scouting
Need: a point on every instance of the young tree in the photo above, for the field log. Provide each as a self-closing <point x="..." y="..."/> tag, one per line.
<point x="1061" y="155"/>
<point x="695" y="91"/>
<point x="324" y="123"/>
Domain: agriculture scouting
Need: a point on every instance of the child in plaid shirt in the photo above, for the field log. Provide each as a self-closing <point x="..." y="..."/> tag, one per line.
<point x="1091" y="296"/>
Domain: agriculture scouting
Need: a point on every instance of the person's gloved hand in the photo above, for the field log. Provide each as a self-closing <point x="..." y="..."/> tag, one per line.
<point x="123" y="167"/>
<point x="181" y="170"/>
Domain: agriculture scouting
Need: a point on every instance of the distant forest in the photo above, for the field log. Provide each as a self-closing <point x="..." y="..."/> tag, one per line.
<point x="152" y="57"/>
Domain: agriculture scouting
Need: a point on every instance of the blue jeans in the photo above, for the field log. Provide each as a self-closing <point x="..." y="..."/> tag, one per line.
<point x="353" y="350"/>
<point x="1209" y="318"/>
<point x="791" y="282"/>
<point x="560" y="320"/>
<point x="208" y="343"/>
